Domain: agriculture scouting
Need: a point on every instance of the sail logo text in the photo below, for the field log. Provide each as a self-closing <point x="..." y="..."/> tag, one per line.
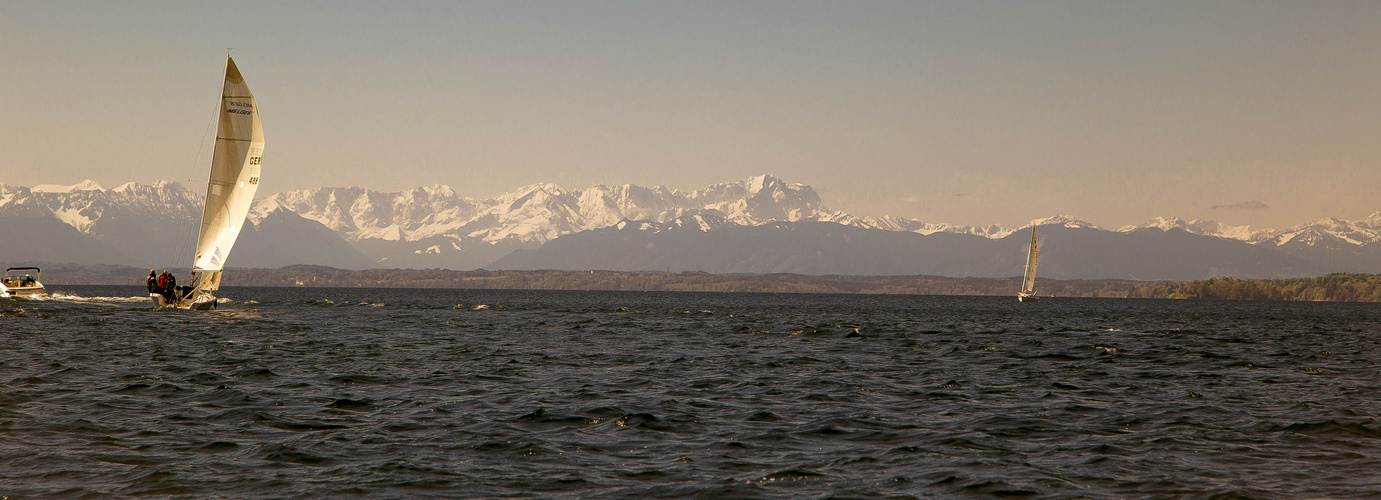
<point x="240" y="104"/>
<point x="240" y="111"/>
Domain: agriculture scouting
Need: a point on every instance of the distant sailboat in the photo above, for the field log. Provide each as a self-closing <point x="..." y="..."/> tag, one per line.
<point x="1028" y="281"/>
<point x="229" y="192"/>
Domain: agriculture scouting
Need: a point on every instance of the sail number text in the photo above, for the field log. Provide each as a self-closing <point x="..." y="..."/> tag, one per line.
<point x="240" y="111"/>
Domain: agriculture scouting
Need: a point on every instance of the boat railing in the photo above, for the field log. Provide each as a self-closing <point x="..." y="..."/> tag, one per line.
<point x="16" y="279"/>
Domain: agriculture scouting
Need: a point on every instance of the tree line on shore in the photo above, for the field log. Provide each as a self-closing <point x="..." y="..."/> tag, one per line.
<point x="669" y="281"/>
<point x="1331" y="287"/>
<point x="1342" y="287"/>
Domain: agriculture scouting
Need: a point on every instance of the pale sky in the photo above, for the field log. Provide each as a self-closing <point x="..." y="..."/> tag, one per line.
<point x="963" y="112"/>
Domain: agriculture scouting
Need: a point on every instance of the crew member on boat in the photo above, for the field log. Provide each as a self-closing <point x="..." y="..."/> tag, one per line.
<point x="153" y="282"/>
<point x="168" y="283"/>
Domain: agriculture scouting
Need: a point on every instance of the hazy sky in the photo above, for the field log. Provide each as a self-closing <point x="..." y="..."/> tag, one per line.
<point x="1258" y="112"/>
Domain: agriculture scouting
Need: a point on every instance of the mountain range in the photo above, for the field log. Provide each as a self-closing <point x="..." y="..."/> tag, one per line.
<point x="762" y="224"/>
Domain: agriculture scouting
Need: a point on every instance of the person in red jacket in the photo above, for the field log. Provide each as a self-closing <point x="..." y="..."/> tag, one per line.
<point x="166" y="282"/>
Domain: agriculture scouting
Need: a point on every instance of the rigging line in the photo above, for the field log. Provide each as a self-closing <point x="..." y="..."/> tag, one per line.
<point x="184" y="222"/>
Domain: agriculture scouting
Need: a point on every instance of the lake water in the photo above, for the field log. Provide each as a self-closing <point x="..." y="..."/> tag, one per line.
<point x="447" y="393"/>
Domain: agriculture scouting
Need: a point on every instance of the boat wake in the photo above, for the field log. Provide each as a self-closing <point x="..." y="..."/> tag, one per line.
<point x="68" y="297"/>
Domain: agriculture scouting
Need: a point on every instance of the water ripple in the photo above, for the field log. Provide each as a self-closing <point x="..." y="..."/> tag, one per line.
<point x="403" y="393"/>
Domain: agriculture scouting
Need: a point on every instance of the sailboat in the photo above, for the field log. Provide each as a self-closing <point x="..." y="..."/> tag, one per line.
<point x="234" y="179"/>
<point x="1028" y="281"/>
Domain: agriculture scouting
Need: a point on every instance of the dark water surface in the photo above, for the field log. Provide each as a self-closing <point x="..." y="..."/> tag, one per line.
<point x="449" y="393"/>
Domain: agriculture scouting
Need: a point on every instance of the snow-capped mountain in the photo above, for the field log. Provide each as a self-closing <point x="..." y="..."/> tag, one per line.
<point x="1360" y="233"/>
<point x="85" y="205"/>
<point x="359" y="214"/>
<point x="433" y="226"/>
<point x="539" y="212"/>
<point x="144" y="225"/>
<point x="535" y="214"/>
<point x="1357" y="233"/>
<point x="1196" y="226"/>
<point x="811" y="247"/>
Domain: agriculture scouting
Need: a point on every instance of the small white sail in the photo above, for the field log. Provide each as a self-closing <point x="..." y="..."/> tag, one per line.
<point x="1028" y="282"/>
<point x="234" y="179"/>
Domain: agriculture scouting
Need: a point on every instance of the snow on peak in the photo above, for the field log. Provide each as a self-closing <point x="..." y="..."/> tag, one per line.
<point x="1195" y="226"/>
<point x="694" y="222"/>
<point x="131" y="188"/>
<point x="540" y="187"/>
<point x="94" y="210"/>
<point x="1160" y="223"/>
<point x="436" y="190"/>
<point x="261" y="210"/>
<point x="1062" y="220"/>
<point x="758" y="183"/>
<point x="537" y="213"/>
<point x="1361" y="232"/>
<point x="86" y="185"/>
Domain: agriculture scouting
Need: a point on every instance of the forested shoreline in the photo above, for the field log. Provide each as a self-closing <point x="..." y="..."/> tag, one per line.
<point x="1340" y="287"/>
<point x="683" y="281"/>
<point x="1331" y="287"/>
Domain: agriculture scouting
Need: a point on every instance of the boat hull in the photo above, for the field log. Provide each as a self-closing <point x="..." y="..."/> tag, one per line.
<point x="204" y="305"/>
<point x="23" y="291"/>
<point x="1026" y="298"/>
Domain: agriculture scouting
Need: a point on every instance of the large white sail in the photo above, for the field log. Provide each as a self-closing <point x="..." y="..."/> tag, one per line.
<point x="234" y="179"/>
<point x="1028" y="284"/>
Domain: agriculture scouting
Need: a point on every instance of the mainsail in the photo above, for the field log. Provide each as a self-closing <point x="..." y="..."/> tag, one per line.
<point x="234" y="179"/>
<point x="1028" y="284"/>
